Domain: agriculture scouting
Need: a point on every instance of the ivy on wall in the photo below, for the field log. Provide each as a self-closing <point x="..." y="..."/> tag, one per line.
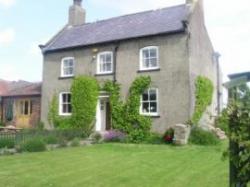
<point x="203" y="95"/>
<point x="125" y="115"/>
<point x="84" y="96"/>
<point x="85" y="92"/>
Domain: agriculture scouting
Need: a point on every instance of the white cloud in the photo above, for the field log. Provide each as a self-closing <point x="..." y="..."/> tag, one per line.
<point x="7" y="3"/>
<point x="130" y="6"/>
<point x="7" y="36"/>
<point x="9" y="72"/>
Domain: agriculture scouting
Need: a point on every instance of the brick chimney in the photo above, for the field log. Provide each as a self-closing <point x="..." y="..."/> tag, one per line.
<point x="77" y="14"/>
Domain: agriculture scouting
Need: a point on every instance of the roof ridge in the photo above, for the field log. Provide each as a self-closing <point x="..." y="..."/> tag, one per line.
<point x="131" y="14"/>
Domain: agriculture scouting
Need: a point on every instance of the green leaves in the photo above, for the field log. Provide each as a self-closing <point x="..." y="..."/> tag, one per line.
<point x="125" y="115"/>
<point x="204" y="94"/>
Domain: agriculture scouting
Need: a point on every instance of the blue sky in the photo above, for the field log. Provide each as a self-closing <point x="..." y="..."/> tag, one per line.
<point x="24" y="24"/>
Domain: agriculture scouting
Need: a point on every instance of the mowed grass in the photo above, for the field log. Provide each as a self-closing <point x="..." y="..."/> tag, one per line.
<point x="108" y="165"/>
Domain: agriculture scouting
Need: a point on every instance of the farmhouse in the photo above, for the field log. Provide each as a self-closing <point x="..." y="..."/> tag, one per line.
<point x="171" y="45"/>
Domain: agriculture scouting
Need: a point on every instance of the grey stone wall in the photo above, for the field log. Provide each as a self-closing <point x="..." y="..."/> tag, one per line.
<point x="172" y="79"/>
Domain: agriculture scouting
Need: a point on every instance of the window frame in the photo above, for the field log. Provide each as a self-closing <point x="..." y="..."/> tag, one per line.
<point x="22" y="107"/>
<point x="142" y="68"/>
<point x="62" y="67"/>
<point x="98" y="63"/>
<point x="157" y="103"/>
<point x="61" y="113"/>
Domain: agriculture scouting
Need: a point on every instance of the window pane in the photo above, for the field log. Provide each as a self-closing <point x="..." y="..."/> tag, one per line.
<point x="145" y="53"/>
<point x="64" y="98"/>
<point x="69" y="98"/>
<point x="153" y="53"/>
<point x="153" y="107"/>
<point x="152" y="95"/>
<point x="153" y="62"/>
<point x="69" y="108"/>
<point x="145" y="107"/>
<point x="108" y="58"/>
<point x="145" y="97"/>
<point x="146" y="63"/>
<point x="65" y="108"/>
<point x="26" y="108"/>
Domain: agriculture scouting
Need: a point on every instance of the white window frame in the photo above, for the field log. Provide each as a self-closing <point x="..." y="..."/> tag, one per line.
<point x="142" y="68"/>
<point x="157" y="102"/>
<point x="61" y="113"/>
<point x="62" y="67"/>
<point x="98" y="62"/>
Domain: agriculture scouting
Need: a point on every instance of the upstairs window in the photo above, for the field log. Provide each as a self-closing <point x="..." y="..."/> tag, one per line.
<point x="67" y="67"/>
<point x="149" y="58"/>
<point x="149" y="102"/>
<point x="65" y="104"/>
<point x="105" y="63"/>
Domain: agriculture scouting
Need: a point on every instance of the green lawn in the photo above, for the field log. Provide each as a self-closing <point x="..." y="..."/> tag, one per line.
<point x="117" y="165"/>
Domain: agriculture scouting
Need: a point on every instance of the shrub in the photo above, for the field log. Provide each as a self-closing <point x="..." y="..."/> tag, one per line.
<point x="96" y="137"/>
<point x="75" y="142"/>
<point x="114" y="136"/>
<point x="40" y="125"/>
<point x="62" y="142"/>
<point x="7" y="143"/>
<point x="33" y="145"/>
<point x="154" y="138"/>
<point x="51" y="139"/>
<point x="168" y="136"/>
<point x="1" y="124"/>
<point x="201" y="137"/>
<point x="222" y="122"/>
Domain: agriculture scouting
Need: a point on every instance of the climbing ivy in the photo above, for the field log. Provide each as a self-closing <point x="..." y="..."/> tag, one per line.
<point x="125" y="115"/>
<point x="85" y="92"/>
<point x="84" y="96"/>
<point x="203" y="95"/>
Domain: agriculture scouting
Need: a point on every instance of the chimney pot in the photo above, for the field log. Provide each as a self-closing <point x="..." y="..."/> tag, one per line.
<point x="78" y="2"/>
<point x="77" y="14"/>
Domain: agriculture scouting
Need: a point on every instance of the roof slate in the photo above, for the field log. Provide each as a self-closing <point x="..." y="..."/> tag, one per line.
<point x="161" y="21"/>
<point x="19" y="88"/>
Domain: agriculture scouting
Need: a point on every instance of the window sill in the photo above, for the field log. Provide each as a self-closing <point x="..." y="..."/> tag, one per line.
<point x="104" y="74"/>
<point x="148" y="70"/>
<point x="65" y="115"/>
<point x="66" y="77"/>
<point x="151" y="116"/>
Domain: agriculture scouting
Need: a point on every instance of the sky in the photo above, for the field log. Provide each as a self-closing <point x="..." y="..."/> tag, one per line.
<point x="24" y="24"/>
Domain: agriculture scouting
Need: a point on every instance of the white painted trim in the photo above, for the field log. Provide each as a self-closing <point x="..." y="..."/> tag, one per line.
<point x="60" y="104"/>
<point x="62" y="66"/>
<point x="157" y="101"/>
<point x="98" y="63"/>
<point x="141" y="58"/>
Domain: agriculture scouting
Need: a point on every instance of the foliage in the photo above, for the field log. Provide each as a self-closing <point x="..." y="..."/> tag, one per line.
<point x="125" y="116"/>
<point x="85" y="91"/>
<point x="7" y="143"/>
<point x="154" y="138"/>
<point x="203" y="96"/>
<point x="114" y="136"/>
<point x="201" y="137"/>
<point x="96" y="137"/>
<point x="222" y="122"/>
<point x="51" y="139"/>
<point x="54" y="119"/>
<point x="1" y="124"/>
<point x="239" y="125"/>
<point x="33" y="145"/>
<point x="75" y="142"/>
<point x="40" y="125"/>
<point x="168" y="136"/>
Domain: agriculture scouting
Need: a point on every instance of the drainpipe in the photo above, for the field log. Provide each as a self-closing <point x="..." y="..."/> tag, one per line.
<point x="115" y="62"/>
<point x="217" y="56"/>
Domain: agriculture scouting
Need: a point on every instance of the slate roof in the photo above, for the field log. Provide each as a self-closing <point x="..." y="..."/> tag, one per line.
<point x="19" y="88"/>
<point x="149" y="23"/>
<point x="239" y="75"/>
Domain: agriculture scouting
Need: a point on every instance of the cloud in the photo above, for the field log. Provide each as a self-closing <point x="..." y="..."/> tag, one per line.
<point x="7" y="36"/>
<point x="130" y="6"/>
<point x="7" y="3"/>
<point x="9" y="72"/>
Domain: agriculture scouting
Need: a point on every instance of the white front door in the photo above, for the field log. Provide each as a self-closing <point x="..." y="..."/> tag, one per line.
<point x="101" y="113"/>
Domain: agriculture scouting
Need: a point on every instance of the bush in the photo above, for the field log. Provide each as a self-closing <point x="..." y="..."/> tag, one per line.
<point x="114" y="136"/>
<point x="1" y="124"/>
<point x="201" y="137"/>
<point x="75" y="142"/>
<point x="222" y="122"/>
<point x="168" y="137"/>
<point x="51" y="139"/>
<point x="62" y="142"/>
<point x="40" y="125"/>
<point x="7" y="143"/>
<point x="96" y="137"/>
<point x="33" y="145"/>
<point x="154" y="139"/>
